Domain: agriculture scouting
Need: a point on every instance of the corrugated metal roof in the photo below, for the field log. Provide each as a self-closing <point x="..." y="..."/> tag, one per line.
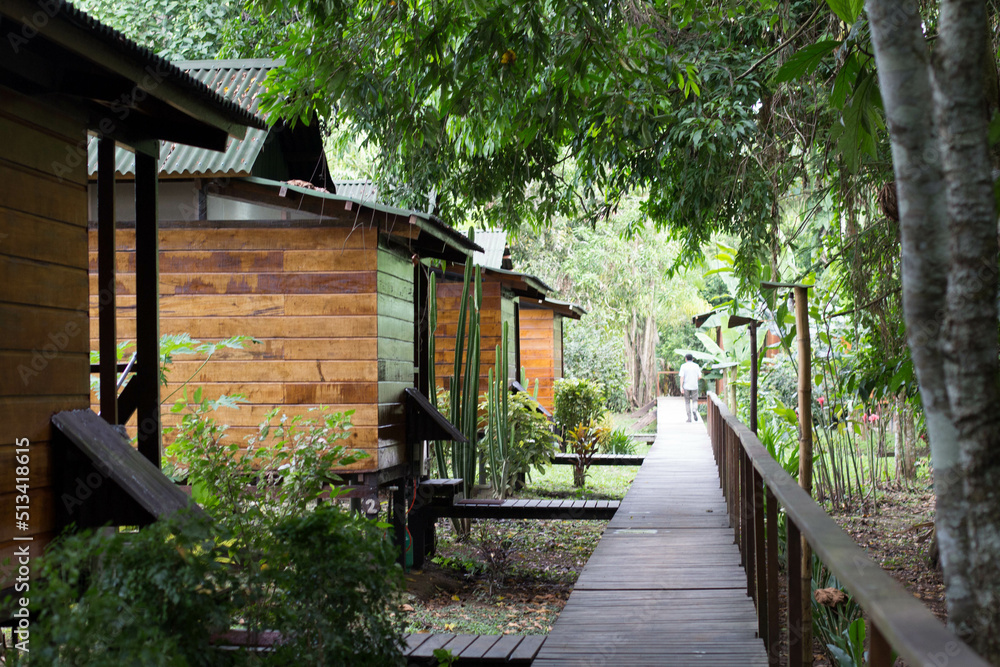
<point x="493" y="244"/>
<point x="362" y="191"/>
<point x="239" y="81"/>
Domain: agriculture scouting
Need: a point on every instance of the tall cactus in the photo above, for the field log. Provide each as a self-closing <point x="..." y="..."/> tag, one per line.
<point x="463" y="388"/>
<point x="498" y="440"/>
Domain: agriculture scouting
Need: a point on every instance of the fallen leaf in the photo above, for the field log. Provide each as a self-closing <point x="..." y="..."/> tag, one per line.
<point x="407" y="607"/>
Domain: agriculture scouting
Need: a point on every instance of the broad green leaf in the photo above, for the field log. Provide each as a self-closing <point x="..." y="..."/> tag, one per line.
<point x="806" y="60"/>
<point x="844" y="82"/>
<point x="847" y="11"/>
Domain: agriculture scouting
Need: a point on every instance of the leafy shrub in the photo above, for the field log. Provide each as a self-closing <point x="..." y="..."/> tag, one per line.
<point x="271" y="557"/>
<point x="619" y="442"/>
<point x="496" y="545"/>
<point x="840" y="627"/>
<point x="150" y="598"/>
<point x="531" y="434"/>
<point x="577" y="402"/>
<point x="584" y="440"/>
<point x="532" y="442"/>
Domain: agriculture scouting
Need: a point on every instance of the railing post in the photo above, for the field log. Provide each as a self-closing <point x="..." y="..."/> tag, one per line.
<point x="794" y="543"/>
<point x="879" y="651"/>
<point x="746" y="518"/>
<point x="763" y="580"/>
<point x="773" y="641"/>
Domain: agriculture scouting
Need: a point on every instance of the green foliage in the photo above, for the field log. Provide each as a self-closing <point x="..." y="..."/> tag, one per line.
<point x="584" y="440"/>
<point x="174" y="29"/>
<point x="617" y="441"/>
<point x="532" y="439"/>
<point x="577" y="402"/>
<point x="532" y="444"/>
<point x="150" y="598"/>
<point x="777" y="429"/>
<point x="157" y="597"/>
<point x="593" y="353"/>
<point x="445" y="657"/>
<point x="337" y="581"/>
<point x="840" y="628"/>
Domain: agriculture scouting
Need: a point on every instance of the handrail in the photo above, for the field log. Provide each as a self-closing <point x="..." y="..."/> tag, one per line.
<point x="895" y="617"/>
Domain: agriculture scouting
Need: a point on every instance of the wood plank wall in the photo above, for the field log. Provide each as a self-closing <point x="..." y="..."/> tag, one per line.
<point x="44" y="362"/>
<point x="396" y="334"/>
<point x="449" y="296"/>
<point x="309" y="294"/>
<point x="538" y="352"/>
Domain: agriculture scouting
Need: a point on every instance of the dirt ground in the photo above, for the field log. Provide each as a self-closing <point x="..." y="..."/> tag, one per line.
<point x="897" y="534"/>
<point x="508" y="577"/>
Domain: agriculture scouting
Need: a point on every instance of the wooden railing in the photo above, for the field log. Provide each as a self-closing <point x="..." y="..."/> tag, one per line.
<point x="755" y="485"/>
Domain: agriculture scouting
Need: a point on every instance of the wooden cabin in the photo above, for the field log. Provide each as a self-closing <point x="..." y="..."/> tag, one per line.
<point x="502" y="290"/>
<point x="62" y="76"/>
<point x="324" y="278"/>
<point x="540" y="339"/>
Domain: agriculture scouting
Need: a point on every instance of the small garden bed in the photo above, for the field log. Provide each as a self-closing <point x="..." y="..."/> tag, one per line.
<point x="511" y="576"/>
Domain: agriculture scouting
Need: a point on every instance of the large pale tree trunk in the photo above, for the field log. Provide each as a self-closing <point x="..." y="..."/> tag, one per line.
<point x="938" y="129"/>
<point x="640" y="350"/>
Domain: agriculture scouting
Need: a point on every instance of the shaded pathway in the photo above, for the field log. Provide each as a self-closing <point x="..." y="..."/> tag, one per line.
<point x="664" y="586"/>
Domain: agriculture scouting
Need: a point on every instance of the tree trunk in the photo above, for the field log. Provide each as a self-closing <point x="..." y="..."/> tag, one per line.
<point x="640" y="350"/>
<point x="903" y="451"/>
<point x="940" y="157"/>
<point x="970" y="335"/>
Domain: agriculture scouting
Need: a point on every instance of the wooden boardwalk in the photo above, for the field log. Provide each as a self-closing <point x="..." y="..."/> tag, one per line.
<point x="526" y="508"/>
<point x="665" y="586"/>
<point x="471" y="650"/>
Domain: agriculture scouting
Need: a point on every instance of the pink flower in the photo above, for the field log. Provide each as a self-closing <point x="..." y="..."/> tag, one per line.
<point x="872" y="418"/>
<point x="821" y="401"/>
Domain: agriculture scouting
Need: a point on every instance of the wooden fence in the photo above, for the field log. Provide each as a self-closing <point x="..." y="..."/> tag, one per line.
<point x="755" y="485"/>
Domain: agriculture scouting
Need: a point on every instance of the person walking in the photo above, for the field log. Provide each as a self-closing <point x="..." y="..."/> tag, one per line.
<point x="690" y="373"/>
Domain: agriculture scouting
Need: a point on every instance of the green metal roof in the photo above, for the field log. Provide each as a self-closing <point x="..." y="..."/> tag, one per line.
<point x="429" y="223"/>
<point x="239" y="81"/>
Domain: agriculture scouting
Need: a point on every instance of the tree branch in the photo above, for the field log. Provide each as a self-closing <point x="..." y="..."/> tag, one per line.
<point x="781" y="46"/>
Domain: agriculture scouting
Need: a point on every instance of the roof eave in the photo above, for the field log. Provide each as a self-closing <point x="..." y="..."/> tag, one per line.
<point x="201" y="119"/>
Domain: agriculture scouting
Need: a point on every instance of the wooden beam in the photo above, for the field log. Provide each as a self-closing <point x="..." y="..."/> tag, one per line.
<point x="805" y="456"/>
<point x="106" y="290"/>
<point x="147" y="289"/>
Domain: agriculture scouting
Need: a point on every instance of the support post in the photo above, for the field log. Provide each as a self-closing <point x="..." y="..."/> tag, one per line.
<point x="147" y="298"/>
<point x="763" y="575"/>
<point x="106" y="289"/>
<point x="753" y="375"/>
<point x="773" y="628"/>
<point x="796" y="630"/>
<point x="879" y="653"/>
<point x="805" y="455"/>
<point x="399" y="520"/>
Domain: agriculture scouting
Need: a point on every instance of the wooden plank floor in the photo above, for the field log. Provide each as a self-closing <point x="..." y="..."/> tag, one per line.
<point x="526" y="508"/>
<point x="664" y="586"/>
<point x="474" y="649"/>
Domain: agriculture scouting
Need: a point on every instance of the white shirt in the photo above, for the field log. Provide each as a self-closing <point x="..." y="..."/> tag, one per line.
<point x="690" y="374"/>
